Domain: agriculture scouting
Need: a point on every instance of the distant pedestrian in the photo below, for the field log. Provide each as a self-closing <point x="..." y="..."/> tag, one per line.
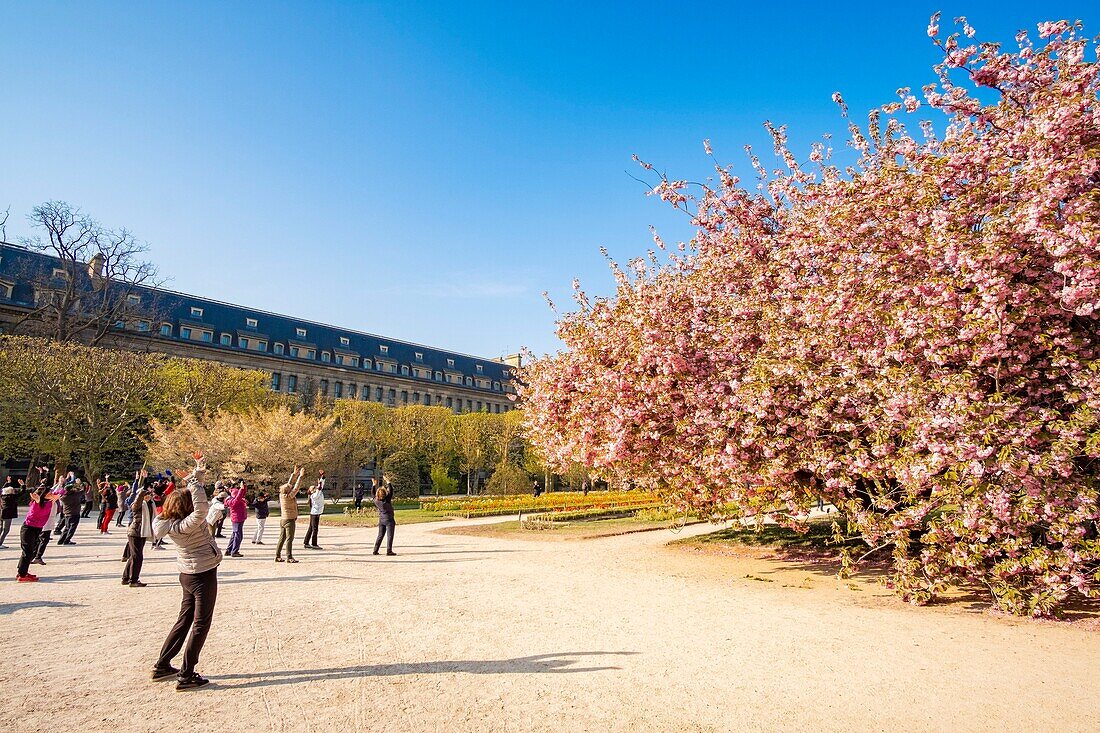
<point x="360" y="492"/>
<point x="70" y="509"/>
<point x="288" y="507"/>
<point x="139" y="531"/>
<point x="237" y="505"/>
<point x="9" y="508"/>
<point x="383" y="502"/>
<point x="110" y="499"/>
<point x="536" y="489"/>
<point x="216" y="514"/>
<point x="86" y="504"/>
<point x="316" y="509"/>
<point x="124" y="496"/>
<point x="262" y="511"/>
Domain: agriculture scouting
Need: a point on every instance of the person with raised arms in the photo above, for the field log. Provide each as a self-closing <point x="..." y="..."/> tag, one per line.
<point x="288" y="506"/>
<point x="183" y="520"/>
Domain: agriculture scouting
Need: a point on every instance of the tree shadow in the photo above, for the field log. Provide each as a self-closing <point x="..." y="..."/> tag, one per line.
<point x="535" y="664"/>
<point x="7" y="609"/>
<point x="291" y="578"/>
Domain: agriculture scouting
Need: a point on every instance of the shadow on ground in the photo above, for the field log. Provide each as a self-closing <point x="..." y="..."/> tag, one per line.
<point x="536" y="664"/>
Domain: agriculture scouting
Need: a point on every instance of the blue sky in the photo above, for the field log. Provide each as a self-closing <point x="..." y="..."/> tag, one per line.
<point x="419" y="170"/>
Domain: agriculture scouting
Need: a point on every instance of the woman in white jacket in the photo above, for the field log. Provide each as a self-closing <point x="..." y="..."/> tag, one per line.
<point x="183" y="520"/>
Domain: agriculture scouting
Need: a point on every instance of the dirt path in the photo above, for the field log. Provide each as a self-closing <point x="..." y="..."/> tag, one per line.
<point x="464" y="633"/>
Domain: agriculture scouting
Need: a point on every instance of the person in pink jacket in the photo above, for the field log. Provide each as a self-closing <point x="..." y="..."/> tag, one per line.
<point x="238" y="512"/>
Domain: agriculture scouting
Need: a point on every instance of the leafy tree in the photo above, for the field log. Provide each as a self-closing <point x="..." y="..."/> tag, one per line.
<point x="442" y="481"/>
<point x="508" y="478"/>
<point x="914" y="337"/>
<point x="404" y="473"/>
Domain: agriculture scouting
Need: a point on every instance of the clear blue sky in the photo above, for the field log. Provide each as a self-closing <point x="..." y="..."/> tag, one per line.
<point x="424" y="171"/>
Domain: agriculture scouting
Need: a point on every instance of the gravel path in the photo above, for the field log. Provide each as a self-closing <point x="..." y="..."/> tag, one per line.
<point x="462" y="633"/>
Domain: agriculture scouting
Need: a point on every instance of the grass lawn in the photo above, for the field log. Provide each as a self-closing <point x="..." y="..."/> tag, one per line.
<point x="579" y="530"/>
<point x="819" y="537"/>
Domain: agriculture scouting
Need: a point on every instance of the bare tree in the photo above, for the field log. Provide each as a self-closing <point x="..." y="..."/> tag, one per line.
<point x="99" y="282"/>
<point x="4" y="224"/>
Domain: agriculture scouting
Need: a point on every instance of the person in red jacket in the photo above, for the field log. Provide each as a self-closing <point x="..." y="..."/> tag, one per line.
<point x="238" y="512"/>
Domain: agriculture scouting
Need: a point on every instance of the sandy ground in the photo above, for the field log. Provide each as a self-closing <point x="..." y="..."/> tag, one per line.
<point x="462" y="633"/>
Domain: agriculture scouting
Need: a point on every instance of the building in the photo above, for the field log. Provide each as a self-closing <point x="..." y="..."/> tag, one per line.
<point x="296" y="354"/>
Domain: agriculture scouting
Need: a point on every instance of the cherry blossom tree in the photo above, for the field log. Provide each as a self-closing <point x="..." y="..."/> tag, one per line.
<point x="912" y="336"/>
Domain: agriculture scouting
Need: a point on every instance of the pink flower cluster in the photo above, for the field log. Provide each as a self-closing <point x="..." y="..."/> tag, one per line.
<point x="915" y="338"/>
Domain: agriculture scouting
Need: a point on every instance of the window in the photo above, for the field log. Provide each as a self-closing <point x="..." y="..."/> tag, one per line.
<point x="196" y="312"/>
<point x="208" y="336"/>
<point x="378" y="365"/>
<point x="449" y="402"/>
<point x="324" y="387"/>
<point x="352" y="392"/>
<point x="384" y="349"/>
<point x="325" y="356"/>
<point x="251" y="323"/>
<point x="261" y="346"/>
<point x="365" y="394"/>
<point x="301" y="332"/>
<point x="5" y="291"/>
<point x="120" y="324"/>
<point x="378" y="394"/>
<point x="345" y="341"/>
<point x="427" y="399"/>
<point x="479" y="405"/>
<point x="419" y="356"/>
<point x="278" y="348"/>
<point x="294" y="351"/>
<point x="450" y="362"/>
<point x="404" y="370"/>
<point x="133" y="299"/>
<point x="496" y="386"/>
<point x="227" y="339"/>
<point x="59" y="274"/>
<point x="311" y="354"/>
<point x="439" y="376"/>
<point x="275" y="379"/>
<point x="243" y="343"/>
<point x="404" y="397"/>
<point x="469" y="406"/>
<point x="291" y="383"/>
<point x="392" y="396"/>
<point x="185" y="333"/>
<point x="479" y="369"/>
<point x="367" y="364"/>
<point x="338" y="390"/>
<point x="144" y="326"/>
<point x="166" y="329"/>
<point x="416" y="398"/>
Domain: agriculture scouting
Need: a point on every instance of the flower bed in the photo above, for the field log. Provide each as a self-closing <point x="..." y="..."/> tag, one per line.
<point x="489" y="506"/>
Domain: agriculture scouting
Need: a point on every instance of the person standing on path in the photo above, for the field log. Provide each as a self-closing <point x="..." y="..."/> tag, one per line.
<point x="124" y="497"/>
<point x="288" y="506"/>
<point x="70" y="508"/>
<point x="360" y="492"/>
<point x="383" y="502"/>
<point x="86" y="505"/>
<point x="238" y="512"/>
<point x="139" y="531"/>
<point x="316" y="509"/>
<point x="183" y="520"/>
<point x="30" y="536"/>
<point x="9" y="509"/>
<point x="110" y="497"/>
<point x="262" y="512"/>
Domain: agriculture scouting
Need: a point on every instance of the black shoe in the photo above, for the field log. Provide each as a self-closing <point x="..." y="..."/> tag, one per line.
<point x="259" y="542"/>
<point x="190" y="683"/>
<point x="125" y="582"/>
<point x="291" y="559"/>
<point x="318" y="547"/>
<point x="391" y="553"/>
<point x="278" y="559"/>
<point x="236" y="554"/>
<point x="161" y="673"/>
<point x="137" y="584"/>
<point x="375" y="552"/>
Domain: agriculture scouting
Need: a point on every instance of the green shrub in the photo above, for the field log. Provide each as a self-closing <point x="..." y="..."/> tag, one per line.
<point x="508" y="479"/>
<point x="443" y="482"/>
<point x="404" y="473"/>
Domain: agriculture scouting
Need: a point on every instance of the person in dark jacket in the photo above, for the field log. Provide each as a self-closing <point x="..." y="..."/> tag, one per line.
<point x="360" y="492"/>
<point x="383" y="502"/>
<point x="263" y="510"/>
<point x="140" y="530"/>
<point x="70" y="509"/>
<point x="9" y="508"/>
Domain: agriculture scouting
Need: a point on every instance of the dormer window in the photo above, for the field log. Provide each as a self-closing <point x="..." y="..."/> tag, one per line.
<point x="196" y="312"/>
<point x="405" y="370"/>
<point x="301" y="332"/>
<point x="479" y="369"/>
<point x="384" y="349"/>
<point x="166" y="329"/>
<point x="419" y="356"/>
<point x="278" y="348"/>
<point x="450" y="362"/>
<point x="133" y="299"/>
<point x="345" y="341"/>
<point x="251" y="323"/>
<point x="59" y="274"/>
<point x="325" y="356"/>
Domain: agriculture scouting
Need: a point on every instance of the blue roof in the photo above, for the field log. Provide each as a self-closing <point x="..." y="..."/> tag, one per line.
<point x="175" y="308"/>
